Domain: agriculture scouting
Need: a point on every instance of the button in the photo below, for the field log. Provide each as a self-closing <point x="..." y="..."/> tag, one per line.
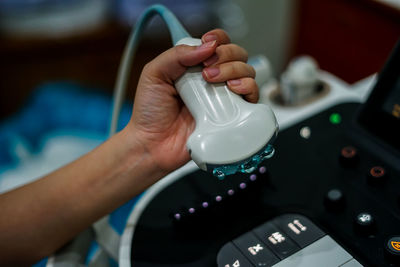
<point x="392" y="249"/>
<point x="230" y="256"/>
<point x="300" y="229"/>
<point x="376" y="175"/>
<point x="348" y="156"/>
<point x="305" y="132"/>
<point x="334" y="200"/>
<point x="255" y="250"/>
<point x="276" y="240"/>
<point x="365" y="223"/>
<point x="323" y="252"/>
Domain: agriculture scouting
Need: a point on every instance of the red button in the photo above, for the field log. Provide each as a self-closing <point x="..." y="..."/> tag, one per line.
<point x="348" y="156"/>
<point x="376" y="175"/>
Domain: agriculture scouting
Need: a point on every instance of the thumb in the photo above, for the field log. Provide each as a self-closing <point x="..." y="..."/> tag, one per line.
<point x="171" y="64"/>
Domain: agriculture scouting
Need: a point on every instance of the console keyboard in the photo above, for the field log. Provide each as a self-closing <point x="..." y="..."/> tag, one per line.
<point x="287" y="240"/>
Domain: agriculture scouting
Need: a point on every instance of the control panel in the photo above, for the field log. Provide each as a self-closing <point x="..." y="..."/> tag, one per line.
<point x="329" y="190"/>
<point x="287" y="240"/>
<point x="328" y="197"/>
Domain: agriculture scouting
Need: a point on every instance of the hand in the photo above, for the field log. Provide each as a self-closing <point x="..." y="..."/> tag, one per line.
<point x="160" y="120"/>
<point x="151" y="145"/>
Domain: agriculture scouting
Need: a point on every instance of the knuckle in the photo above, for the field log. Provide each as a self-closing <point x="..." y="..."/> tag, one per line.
<point x="229" y="52"/>
<point x="246" y="70"/>
<point x="252" y="71"/>
<point x="147" y="67"/>
<point x="220" y="50"/>
<point x="254" y="84"/>
<point x="239" y="51"/>
<point x="225" y="53"/>
<point x="239" y="69"/>
<point x="254" y="91"/>
<point x="180" y="49"/>
<point x="233" y="69"/>
<point x="245" y="55"/>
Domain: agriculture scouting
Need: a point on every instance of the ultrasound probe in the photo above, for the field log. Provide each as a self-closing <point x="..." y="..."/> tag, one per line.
<point x="231" y="134"/>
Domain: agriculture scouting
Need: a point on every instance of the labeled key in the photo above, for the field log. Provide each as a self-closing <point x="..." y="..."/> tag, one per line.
<point x="276" y="240"/>
<point x="230" y="256"/>
<point x="255" y="250"/>
<point x="300" y="229"/>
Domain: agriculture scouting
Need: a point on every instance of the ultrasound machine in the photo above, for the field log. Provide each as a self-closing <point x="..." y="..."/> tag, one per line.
<point x="330" y="196"/>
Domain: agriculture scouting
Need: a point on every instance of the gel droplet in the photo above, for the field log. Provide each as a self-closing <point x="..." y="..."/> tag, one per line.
<point x="268" y="152"/>
<point x="248" y="166"/>
<point x="220" y="175"/>
<point x="249" y="169"/>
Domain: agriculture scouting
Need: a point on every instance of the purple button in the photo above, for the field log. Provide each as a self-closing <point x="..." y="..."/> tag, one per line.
<point x="262" y="169"/>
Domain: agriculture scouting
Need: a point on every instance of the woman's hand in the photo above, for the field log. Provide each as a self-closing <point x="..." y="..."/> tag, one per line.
<point x="39" y="218"/>
<point x="160" y="120"/>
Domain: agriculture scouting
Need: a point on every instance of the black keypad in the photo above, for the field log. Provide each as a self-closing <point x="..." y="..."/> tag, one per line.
<point x="289" y="240"/>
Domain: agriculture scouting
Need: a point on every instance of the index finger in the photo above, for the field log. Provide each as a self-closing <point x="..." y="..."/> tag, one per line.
<point x="219" y="35"/>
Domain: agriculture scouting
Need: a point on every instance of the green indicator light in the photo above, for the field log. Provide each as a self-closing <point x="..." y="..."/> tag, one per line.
<point x="335" y="118"/>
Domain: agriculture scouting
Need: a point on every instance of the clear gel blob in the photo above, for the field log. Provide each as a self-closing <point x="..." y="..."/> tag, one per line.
<point x="245" y="167"/>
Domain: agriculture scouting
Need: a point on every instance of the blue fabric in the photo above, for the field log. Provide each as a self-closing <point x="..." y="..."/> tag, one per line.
<point x="41" y="263"/>
<point x="94" y="247"/>
<point x="119" y="217"/>
<point x="54" y="106"/>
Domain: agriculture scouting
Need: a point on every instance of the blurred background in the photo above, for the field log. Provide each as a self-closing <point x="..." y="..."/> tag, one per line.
<point x="59" y="59"/>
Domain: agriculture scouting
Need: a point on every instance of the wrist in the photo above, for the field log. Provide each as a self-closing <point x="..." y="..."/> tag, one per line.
<point x="138" y="159"/>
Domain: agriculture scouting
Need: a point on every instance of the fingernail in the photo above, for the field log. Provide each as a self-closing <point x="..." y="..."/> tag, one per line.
<point x="211" y="60"/>
<point x="209" y="38"/>
<point x="207" y="45"/>
<point x="235" y="82"/>
<point x="211" y="72"/>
